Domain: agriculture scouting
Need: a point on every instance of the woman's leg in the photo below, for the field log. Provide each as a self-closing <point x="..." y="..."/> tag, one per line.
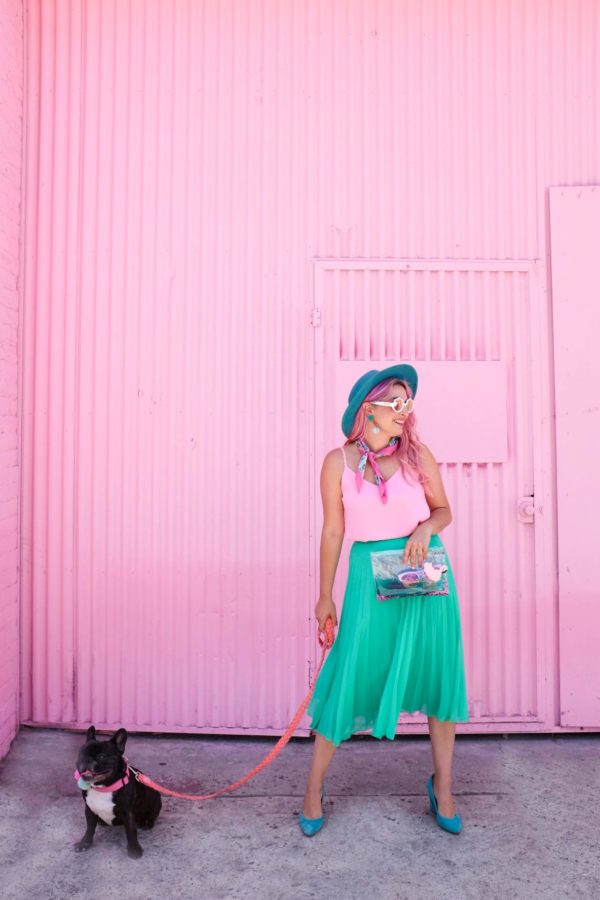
<point x="442" y="748"/>
<point x="322" y="756"/>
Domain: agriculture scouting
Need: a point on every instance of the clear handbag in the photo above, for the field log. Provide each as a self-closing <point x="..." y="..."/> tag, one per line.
<point x="395" y="578"/>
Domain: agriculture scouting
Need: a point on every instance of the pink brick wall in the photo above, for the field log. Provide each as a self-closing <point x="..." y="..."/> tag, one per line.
<point x="11" y="122"/>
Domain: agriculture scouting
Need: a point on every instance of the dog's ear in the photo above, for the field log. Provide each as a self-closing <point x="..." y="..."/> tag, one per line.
<point x="120" y="739"/>
<point x="90" y="734"/>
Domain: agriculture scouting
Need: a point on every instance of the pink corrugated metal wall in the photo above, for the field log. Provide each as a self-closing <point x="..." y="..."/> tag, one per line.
<point x="231" y="208"/>
<point x="11" y="118"/>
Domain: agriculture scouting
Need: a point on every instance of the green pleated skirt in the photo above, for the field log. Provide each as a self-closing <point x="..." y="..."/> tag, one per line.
<point x="404" y="654"/>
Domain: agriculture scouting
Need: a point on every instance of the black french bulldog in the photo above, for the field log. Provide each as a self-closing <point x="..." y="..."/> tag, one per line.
<point x="111" y="792"/>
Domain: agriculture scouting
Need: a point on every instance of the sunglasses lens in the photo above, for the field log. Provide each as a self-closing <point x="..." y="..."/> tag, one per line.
<point x="401" y="406"/>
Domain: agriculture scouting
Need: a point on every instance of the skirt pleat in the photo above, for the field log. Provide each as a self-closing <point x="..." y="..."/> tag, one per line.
<point x="400" y="655"/>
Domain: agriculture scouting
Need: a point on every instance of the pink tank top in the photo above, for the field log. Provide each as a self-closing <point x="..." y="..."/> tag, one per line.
<point x="368" y="519"/>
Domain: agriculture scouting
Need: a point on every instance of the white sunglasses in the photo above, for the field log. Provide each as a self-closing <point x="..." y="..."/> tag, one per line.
<point x="398" y="404"/>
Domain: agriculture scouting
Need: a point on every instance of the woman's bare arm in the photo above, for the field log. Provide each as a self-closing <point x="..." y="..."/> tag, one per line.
<point x="440" y="513"/>
<point x="332" y="534"/>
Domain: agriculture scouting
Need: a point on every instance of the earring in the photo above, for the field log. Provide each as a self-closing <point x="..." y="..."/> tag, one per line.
<point x="375" y="429"/>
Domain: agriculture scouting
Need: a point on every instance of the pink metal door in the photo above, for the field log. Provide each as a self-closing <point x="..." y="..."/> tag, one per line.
<point x="575" y="225"/>
<point x="472" y="331"/>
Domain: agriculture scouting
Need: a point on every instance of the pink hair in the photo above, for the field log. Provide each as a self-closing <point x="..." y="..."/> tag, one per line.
<point x="409" y="441"/>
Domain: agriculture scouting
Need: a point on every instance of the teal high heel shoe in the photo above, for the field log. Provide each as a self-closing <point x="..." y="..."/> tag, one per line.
<point x="453" y="824"/>
<point x="311" y="826"/>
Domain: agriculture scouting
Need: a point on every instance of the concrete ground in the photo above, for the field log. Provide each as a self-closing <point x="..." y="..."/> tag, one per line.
<point x="530" y="808"/>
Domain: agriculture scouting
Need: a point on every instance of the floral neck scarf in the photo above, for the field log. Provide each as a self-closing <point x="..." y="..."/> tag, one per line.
<point x="369" y="455"/>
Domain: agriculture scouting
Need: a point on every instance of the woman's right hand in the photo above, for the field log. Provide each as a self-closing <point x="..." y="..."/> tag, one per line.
<point x="323" y="610"/>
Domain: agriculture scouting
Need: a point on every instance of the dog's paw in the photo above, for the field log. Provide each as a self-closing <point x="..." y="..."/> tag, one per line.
<point x="82" y="845"/>
<point x="134" y="851"/>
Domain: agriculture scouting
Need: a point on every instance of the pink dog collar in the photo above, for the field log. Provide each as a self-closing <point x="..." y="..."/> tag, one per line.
<point x="101" y="787"/>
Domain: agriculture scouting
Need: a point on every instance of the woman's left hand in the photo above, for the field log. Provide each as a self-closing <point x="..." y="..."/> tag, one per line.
<point x="417" y="545"/>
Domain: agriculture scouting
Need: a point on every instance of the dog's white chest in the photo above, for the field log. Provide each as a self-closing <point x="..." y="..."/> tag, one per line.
<point x="101" y="803"/>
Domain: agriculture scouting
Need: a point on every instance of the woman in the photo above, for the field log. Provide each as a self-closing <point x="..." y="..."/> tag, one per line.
<point x="401" y="654"/>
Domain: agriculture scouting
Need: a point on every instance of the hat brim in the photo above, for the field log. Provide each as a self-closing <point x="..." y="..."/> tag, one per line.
<point x="402" y="371"/>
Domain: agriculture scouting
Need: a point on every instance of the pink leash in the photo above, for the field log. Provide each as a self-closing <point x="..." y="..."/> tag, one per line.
<point x="325" y="643"/>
